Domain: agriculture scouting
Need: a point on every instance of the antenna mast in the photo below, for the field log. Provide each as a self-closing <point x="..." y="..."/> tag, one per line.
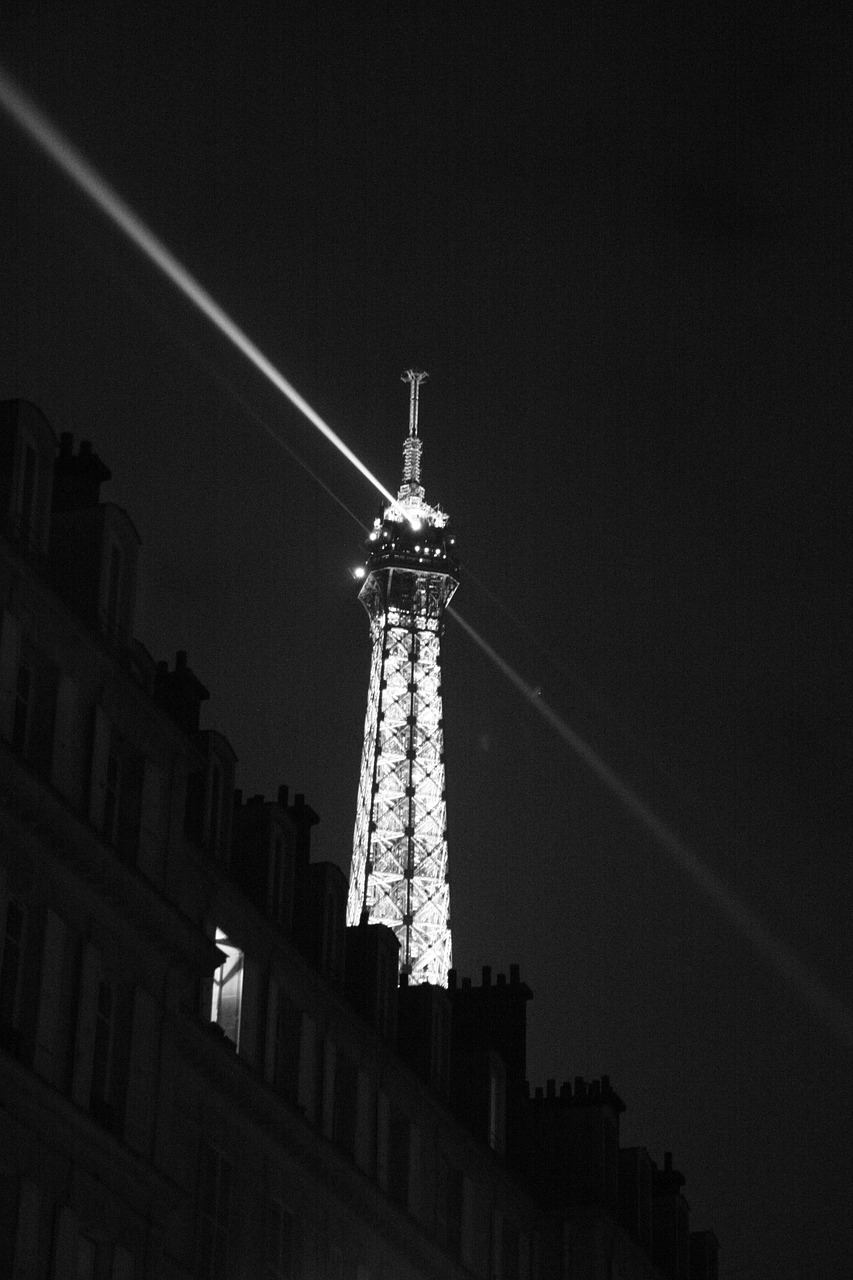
<point x="412" y="447"/>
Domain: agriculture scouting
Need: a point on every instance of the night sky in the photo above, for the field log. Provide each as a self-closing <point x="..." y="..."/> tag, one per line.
<point x="616" y="240"/>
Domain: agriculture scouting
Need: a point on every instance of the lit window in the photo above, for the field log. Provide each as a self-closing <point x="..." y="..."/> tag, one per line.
<point x="228" y="989"/>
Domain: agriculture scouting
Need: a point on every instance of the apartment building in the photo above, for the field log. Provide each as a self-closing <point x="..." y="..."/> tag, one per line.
<point x="203" y="1072"/>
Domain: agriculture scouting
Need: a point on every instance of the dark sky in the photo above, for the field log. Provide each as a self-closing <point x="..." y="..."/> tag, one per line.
<point x="616" y="241"/>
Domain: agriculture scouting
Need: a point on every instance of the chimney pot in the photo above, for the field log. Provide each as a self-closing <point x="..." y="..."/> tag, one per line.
<point x="513" y="973"/>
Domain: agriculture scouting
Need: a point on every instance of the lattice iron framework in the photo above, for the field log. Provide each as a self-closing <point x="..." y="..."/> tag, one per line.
<point x="399" y="865"/>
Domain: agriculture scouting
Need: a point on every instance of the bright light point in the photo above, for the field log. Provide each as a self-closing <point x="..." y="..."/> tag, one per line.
<point x="415" y="523"/>
<point x="65" y="155"/>
<point x="372" y="537"/>
<point x="359" y="572"/>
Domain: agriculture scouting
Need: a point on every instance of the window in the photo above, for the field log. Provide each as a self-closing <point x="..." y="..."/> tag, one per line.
<point x="115" y="804"/>
<point x="228" y="989"/>
<point x="84" y="1268"/>
<point x="206" y="817"/>
<point x="285" y="1049"/>
<point x="306" y="1092"/>
<point x="111" y="613"/>
<point x="497" y="1107"/>
<point x="112" y="787"/>
<point x="11" y="972"/>
<point x="215" y="805"/>
<point x="281" y="1243"/>
<point x="399" y="1139"/>
<point x="124" y="1268"/>
<point x="449" y="1205"/>
<point x="346" y="1103"/>
<point x="440" y="1074"/>
<point x="329" y="959"/>
<point x="26" y="496"/>
<point x="23" y="702"/>
<point x="34" y="708"/>
<point x="383" y="993"/>
<point x="277" y="876"/>
<point x="455" y="1210"/>
<point x="102" y="1052"/>
<point x="325" y="1092"/>
<point x="280" y="885"/>
<point x="214" y="1213"/>
<point x="511" y="1251"/>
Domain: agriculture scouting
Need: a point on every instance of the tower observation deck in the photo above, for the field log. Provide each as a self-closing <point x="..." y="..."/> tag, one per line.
<point x="399" y="863"/>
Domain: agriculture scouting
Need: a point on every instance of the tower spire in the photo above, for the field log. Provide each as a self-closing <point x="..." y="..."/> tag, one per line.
<point x="411" y="487"/>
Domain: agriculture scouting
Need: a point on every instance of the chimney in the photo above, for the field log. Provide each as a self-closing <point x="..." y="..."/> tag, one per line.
<point x="180" y="693"/>
<point x="77" y="477"/>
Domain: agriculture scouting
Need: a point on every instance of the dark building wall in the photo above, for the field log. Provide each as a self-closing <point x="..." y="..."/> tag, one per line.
<point x="201" y="1072"/>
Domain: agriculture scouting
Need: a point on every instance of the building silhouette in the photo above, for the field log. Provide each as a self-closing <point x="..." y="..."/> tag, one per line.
<point x="203" y="1072"/>
<point x="399" y="872"/>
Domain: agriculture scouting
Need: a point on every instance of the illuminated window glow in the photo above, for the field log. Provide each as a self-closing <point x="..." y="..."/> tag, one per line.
<point x="228" y="989"/>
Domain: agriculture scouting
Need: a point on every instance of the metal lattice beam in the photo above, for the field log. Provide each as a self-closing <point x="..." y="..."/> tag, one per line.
<point x="399" y="873"/>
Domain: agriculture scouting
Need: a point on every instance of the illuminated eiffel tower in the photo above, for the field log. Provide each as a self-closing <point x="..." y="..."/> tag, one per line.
<point x="399" y="862"/>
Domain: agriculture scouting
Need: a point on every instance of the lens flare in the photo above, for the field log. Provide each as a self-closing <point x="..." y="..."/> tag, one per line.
<point x="66" y="156"/>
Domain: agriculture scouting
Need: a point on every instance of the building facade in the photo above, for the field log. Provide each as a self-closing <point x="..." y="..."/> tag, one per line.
<point x="203" y="1072"/>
